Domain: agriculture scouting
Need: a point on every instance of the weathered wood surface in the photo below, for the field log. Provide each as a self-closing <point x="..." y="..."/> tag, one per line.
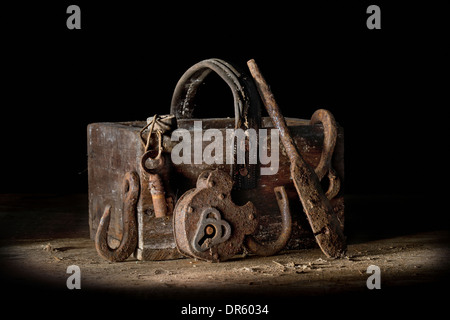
<point x="156" y="239"/>
<point x="115" y="148"/>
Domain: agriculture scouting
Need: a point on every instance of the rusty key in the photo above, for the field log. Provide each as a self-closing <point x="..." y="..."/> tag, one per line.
<point x="317" y="207"/>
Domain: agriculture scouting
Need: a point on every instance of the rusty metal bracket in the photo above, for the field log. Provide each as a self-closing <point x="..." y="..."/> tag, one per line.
<point x="129" y="239"/>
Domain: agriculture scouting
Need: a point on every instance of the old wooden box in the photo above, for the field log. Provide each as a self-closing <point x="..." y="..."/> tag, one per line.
<point x="115" y="148"/>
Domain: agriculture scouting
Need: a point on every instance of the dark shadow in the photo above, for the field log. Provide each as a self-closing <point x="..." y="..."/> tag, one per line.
<point x="374" y="217"/>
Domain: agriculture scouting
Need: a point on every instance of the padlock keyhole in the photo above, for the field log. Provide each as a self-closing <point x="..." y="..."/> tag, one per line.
<point x="210" y="231"/>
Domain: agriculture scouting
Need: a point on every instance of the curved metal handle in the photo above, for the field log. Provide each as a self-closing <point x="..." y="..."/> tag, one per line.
<point x="329" y="141"/>
<point x="243" y="90"/>
<point x="129" y="239"/>
<point x="286" y="227"/>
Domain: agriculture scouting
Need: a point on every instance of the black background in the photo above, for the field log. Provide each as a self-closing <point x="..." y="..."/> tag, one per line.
<point x="385" y="87"/>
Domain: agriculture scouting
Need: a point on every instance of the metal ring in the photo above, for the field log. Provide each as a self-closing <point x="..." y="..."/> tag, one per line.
<point x="157" y="162"/>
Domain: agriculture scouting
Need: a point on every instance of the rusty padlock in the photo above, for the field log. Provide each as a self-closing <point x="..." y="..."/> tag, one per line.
<point x="209" y="226"/>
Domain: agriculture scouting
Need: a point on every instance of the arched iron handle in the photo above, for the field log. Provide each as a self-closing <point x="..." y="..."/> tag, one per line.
<point x="286" y="227"/>
<point x="129" y="239"/>
<point x="247" y="107"/>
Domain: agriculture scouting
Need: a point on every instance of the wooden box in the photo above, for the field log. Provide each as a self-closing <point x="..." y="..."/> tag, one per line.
<point x="115" y="148"/>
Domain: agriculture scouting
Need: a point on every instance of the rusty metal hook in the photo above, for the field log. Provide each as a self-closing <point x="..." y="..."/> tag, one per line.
<point x="286" y="227"/>
<point x="329" y="141"/>
<point x="129" y="239"/>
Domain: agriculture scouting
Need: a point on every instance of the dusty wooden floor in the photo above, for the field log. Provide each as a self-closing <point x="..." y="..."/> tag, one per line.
<point x="41" y="235"/>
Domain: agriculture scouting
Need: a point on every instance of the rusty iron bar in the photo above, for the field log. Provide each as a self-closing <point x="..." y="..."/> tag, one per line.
<point x="272" y="248"/>
<point x="129" y="239"/>
<point x="317" y="207"/>
<point x="156" y="187"/>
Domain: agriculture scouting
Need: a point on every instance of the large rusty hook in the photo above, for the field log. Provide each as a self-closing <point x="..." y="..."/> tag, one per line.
<point x="329" y="142"/>
<point x="286" y="227"/>
<point x="129" y="239"/>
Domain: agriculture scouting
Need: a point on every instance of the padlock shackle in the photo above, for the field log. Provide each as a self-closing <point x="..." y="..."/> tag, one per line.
<point x="274" y="247"/>
<point x="245" y="96"/>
